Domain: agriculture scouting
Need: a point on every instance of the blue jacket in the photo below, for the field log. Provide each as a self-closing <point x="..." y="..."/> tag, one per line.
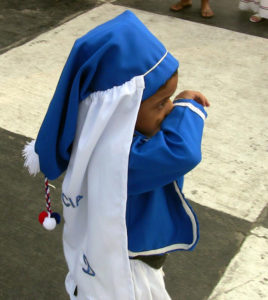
<point x="159" y="218"/>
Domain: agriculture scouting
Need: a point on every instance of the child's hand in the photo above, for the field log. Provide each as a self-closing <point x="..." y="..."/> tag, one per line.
<point x="196" y="96"/>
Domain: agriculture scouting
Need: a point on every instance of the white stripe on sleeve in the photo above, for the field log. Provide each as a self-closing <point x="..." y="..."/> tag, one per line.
<point x="192" y="107"/>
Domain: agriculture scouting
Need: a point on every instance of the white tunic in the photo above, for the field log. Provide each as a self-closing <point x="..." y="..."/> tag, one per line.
<point x="95" y="194"/>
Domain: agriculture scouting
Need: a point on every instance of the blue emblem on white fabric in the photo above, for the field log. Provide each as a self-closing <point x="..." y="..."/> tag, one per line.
<point x="67" y="201"/>
<point x="88" y="270"/>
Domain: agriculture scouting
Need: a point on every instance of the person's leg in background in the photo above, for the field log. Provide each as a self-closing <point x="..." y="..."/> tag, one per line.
<point x="206" y="10"/>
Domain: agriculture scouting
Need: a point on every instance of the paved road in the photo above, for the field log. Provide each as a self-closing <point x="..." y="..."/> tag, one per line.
<point x="224" y="57"/>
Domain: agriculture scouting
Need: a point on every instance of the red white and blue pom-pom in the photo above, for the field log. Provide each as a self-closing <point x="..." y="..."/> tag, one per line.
<point x="49" y="219"/>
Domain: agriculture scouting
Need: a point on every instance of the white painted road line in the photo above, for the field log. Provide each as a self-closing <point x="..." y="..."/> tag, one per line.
<point x="247" y="275"/>
<point x="230" y="68"/>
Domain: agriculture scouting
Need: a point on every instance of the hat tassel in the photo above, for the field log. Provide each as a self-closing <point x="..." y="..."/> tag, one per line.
<point x="48" y="218"/>
<point x="31" y="158"/>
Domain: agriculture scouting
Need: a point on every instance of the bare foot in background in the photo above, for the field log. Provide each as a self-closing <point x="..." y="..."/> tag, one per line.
<point x="206" y="10"/>
<point x="180" y="5"/>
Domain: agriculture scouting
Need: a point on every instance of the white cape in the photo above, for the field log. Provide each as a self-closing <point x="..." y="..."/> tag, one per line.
<point x="94" y="194"/>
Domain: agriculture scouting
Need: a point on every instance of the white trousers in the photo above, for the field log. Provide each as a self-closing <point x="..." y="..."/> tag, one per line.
<point x="148" y="282"/>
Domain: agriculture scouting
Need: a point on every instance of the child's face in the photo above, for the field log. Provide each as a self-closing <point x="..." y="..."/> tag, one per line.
<point x="154" y="109"/>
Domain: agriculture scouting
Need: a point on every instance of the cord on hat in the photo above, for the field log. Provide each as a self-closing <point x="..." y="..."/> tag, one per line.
<point x="48" y="218"/>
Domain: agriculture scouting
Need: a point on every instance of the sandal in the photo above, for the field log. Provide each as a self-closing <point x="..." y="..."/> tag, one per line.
<point x="255" y="18"/>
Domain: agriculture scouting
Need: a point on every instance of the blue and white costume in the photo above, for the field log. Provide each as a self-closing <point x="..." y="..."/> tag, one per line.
<point x="121" y="196"/>
<point x="159" y="218"/>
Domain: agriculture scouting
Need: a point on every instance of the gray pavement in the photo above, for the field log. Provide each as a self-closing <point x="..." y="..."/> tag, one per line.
<point x="21" y="21"/>
<point x="32" y="263"/>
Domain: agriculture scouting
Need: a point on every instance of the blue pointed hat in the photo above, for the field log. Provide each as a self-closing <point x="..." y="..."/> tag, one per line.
<point x="108" y="56"/>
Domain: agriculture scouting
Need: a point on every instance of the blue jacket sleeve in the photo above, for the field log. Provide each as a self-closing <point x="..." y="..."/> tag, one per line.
<point x="171" y="153"/>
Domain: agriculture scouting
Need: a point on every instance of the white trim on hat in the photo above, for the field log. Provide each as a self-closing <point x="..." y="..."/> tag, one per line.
<point x="158" y="63"/>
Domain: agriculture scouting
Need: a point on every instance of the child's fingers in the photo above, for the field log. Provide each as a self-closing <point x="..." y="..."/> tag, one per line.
<point x="197" y="96"/>
<point x="201" y="99"/>
<point x="205" y="102"/>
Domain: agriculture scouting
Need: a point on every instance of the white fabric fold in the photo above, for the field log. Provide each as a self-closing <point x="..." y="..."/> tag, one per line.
<point x="94" y="195"/>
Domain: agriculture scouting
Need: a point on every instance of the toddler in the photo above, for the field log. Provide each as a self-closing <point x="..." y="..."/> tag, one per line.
<point x="125" y="147"/>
